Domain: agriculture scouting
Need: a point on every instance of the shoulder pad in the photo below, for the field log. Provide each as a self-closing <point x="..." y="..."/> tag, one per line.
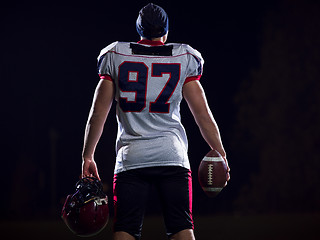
<point x="107" y="49"/>
<point x="194" y="52"/>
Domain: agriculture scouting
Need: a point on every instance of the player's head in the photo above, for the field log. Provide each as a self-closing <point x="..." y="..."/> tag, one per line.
<point x="152" y="22"/>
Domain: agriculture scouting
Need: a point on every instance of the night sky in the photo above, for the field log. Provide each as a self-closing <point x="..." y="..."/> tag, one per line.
<point x="48" y="73"/>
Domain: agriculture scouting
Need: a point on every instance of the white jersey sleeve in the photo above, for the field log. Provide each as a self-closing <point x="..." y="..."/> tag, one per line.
<point x="195" y="64"/>
<point x="105" y="66"/>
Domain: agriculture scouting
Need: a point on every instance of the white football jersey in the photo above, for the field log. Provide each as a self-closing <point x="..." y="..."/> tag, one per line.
<point x="148" y="78"/>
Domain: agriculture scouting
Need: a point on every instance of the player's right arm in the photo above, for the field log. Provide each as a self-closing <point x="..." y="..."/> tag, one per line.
<point x="197" y="102"/>
<point x="102" y="102"/>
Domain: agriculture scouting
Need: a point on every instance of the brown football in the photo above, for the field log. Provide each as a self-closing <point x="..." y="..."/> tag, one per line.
<point x="212" y="173"/>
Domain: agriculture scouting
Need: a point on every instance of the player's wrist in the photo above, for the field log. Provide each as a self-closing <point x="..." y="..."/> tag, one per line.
<point x="87" y="158"/>
<point x="221" y="151"/>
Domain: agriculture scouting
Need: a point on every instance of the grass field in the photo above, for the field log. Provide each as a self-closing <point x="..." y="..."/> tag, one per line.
<point x="271" y="227"/>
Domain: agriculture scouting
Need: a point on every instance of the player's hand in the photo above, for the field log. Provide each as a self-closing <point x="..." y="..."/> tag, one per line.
<point x="228" y="168"/>
<point x="89" y="169"/>
<point x="224" y="156"/>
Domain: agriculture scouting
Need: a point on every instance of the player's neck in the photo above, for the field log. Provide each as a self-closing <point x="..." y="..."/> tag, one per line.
<point x="162" y="39"/>
<point x="157" y="39"/>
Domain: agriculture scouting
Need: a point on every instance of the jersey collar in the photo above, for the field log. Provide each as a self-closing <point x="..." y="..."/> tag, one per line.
<point x="152" y="43"/>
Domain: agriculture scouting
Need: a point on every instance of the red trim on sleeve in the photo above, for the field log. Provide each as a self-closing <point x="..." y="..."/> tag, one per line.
<point x="105" y="77"/>
<point x="193" y="78"/>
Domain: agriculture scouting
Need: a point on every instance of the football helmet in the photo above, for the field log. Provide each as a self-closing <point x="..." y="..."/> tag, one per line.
<point x="86" y="212"/>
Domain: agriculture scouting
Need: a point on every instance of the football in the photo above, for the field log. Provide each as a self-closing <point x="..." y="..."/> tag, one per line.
<point x="213" y="173"/>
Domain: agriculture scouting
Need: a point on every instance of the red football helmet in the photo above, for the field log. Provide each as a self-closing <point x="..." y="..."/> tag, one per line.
<point x="86" y="212"/>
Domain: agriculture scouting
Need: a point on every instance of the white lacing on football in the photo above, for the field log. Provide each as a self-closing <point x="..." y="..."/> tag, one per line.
<point x="210" y="168"/>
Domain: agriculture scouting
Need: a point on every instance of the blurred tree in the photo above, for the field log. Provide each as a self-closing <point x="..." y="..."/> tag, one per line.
<point x="279" y="113"/>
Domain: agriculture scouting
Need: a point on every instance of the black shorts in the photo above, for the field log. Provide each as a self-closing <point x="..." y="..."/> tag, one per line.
<point x="131" y="188"/>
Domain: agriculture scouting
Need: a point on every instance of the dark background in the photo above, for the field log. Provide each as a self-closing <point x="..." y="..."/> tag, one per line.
<point x="261" y="77"/>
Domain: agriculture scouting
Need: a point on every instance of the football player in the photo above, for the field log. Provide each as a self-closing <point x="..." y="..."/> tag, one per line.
<point x="148" y="80"/>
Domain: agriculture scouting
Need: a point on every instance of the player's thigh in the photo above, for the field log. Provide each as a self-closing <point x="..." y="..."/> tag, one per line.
<point x="175" y="190"/>
<point x="130" y="200"/>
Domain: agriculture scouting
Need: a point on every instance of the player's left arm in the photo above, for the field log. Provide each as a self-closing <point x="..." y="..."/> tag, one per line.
<point x="102" y="102"/>
<point x="197" y="102"/>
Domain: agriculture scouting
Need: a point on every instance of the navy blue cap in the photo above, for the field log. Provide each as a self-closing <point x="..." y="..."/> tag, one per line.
<point x="152" y="22"/>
